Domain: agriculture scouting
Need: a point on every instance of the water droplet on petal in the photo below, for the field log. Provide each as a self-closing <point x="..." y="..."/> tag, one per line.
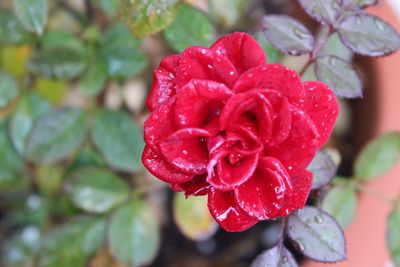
<point x="318" y="219"/>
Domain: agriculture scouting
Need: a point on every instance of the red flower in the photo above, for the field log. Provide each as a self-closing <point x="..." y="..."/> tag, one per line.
<point x="227" y="124"/>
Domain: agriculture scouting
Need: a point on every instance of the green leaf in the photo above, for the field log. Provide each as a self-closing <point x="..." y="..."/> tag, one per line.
<point x="317" y="235"/>
<point x="378" y="157"/>
<point x="8" y="89"/>
<point x="32" y="14"/>
<point x="393" y="235"/>
<point x="341" y="203"/>
<point x="11" y="30"/>
<point x="325" y="12"/>
<point x="323" y="169"/>
<point x="190" y="27"/>
<point x="273" y="54"/>
<point x="57" y="62"/>
<point x="110" y="7"/>
<point x="122" y="52"/>
<point x="133" y="234"/>
<point x="369" y="35"/>
<point x="94" y="78"/>
<point x="118" y="139"/>
<point x="339" y="75"/>
<point x="52" y="90"/>
<point x="193" y="217"/>
<point x="275" y="257"/>
<point x="228" y="12"/>
<point x="146" y="17"/>
<point x="11" y="165"/>
<point x="49" y="179"/>
<point x="56" y="134"/>
<point x="20" y="249"/>
<point x="73" y="243"/>
<point x="29" y="108"/>
<point x="96" y="190"/>
<point x="288" y="35"/>
<point x="61" y="39"/>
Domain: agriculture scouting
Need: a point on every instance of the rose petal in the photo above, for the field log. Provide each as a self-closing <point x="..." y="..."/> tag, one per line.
<point x="161" y="168"/>
<point x="204" y="64"/>
<point x="299" y="148"/>
<point x="169" y="63"/>
<point x="199" y="102"/>
<point x="226" y="175"/>
<point x="163" y="82"/>
<point x="274" y="77"/>
<point x="264" y="194"/>
<point x="322" y="107"/>
<point x="250" y="109"/>
<point x="301" y="190"/>
<point x="227" y="213"/>
<point x="282" y="120"/>
<point x="242" y="50"/>
<point x="198" y="186"/>
<point x="160" y="124"/>
<point x="186" y="150"/>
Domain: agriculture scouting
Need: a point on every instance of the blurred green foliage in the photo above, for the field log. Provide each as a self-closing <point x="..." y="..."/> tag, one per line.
<point x="72" y="186"/>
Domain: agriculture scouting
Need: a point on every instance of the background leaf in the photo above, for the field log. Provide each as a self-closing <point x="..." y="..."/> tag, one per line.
<point x="288" y="35"/>
<point x="341" y="203"/>
<point x="190" y="27"/>
<point x="8" y="89"/>
<point x="393" y="235"/>
<point x="11" y="165"/>
<point x="272" y="53"/>
<point x="146" y="17"/>
<point x="275" y="257"/>
<point x="29" y="108"/>
<point x="20" y="250"/>
<point x="133" y="234"/>
<point x="57" y="62"/>
<point x="122" y="53"/>
<point x="96" y="190"/>
<point x="32" y="14"/>
<point x="118" y="139"/>
<point x="56" y="134"/>
<point x="73" y="243"/>
<point x="193" y="217"/>
<point x="228" y="12"/>
<point x="323" y="169"/>
<point x="369" y="35"/>
<point x="339" y="75"/>
<point x="378" y="157"/>
<point x="317" y="235"/>
<point x="11" y="30"/>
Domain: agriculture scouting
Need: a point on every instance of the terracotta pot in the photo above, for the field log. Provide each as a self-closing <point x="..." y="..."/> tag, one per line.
<point x="366" y="246"/>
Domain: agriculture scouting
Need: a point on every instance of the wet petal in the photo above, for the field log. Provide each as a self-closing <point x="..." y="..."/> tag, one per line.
<point x="163" y="86"/>
<point x="322" y="107"/>
<point x="227" y="213"/>
<point x="242" y="50"/>
<point x="159" y="125"/>
<point x="198" y="186"/>
<point x="251" y="110"/>
<point x="301" y="190"/>
<point x="204" y="64"/>
<point x="264" y="194"/>
<point x="160" y="168"/>
<point x="299" y="148"/>
<point x="282" y="120"/>
<point x="199" y="102"/>
<point x="274" y="77"/>
<point x="186" y="150"/>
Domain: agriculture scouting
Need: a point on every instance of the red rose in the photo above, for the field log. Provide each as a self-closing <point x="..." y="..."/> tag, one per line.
<point x="227" y="124"/>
